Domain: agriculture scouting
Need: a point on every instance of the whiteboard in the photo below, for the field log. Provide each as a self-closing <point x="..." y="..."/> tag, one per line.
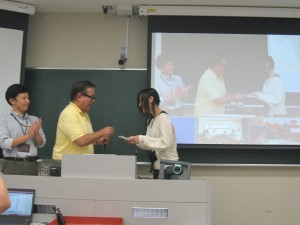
<point x="10" y="63"/>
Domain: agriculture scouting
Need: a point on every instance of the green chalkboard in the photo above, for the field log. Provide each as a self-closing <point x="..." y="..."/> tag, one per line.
<point x="115" y="106"/>
<point x="116" y="92"/>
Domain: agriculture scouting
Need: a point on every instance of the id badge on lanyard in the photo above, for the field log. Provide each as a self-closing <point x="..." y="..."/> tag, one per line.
<point x="24" y="148"/>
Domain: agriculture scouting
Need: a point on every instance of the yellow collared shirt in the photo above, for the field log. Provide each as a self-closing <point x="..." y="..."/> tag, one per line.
<point x="72" y="124"/>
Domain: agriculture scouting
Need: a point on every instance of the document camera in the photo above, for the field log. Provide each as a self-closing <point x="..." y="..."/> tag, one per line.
<point x="174" y="170"/>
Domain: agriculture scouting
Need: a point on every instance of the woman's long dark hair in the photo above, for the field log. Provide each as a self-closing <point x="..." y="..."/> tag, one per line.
<point x="143" y="98"/>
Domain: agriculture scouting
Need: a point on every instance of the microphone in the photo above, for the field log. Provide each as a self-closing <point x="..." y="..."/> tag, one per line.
<point x="59" y="216"/>
<point x="104" y="147"/>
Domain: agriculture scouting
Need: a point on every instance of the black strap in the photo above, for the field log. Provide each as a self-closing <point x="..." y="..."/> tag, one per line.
<point x="153" y="158"/>
<point x="21" y="124"/>
<point x="151" y="117"/>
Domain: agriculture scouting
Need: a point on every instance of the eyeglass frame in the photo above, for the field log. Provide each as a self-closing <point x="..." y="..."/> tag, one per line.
<point x="89" y="96"/>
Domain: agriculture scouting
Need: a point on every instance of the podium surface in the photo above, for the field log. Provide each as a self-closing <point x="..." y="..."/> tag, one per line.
<point x="105" y="166"/>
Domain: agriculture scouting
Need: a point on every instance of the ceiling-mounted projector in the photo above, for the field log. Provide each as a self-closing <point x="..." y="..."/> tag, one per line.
<point x="17" y="7"/>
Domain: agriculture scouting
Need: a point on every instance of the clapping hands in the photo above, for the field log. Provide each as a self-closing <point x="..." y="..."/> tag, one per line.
<point x="35" y="127"/>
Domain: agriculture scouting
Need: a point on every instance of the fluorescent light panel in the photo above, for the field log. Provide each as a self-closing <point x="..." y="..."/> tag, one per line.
<point x="17" y="7"/>
<point x="218" y="11"/>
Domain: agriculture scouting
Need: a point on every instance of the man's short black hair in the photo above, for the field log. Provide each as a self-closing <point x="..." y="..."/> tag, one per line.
<point x="14" y="90"/>
<point x="80" y="87"/>
<point x="161" y="60"/>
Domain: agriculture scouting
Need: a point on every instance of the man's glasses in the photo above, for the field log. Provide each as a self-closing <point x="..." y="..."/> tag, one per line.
<point x="86" y="95"/>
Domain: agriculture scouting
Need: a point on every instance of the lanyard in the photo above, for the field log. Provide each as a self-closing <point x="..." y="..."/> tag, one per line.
<point x="21" y="124"/>
<point x="170" y="83"/>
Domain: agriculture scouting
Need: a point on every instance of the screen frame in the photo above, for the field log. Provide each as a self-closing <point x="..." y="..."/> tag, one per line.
<point x="228" y="153"/>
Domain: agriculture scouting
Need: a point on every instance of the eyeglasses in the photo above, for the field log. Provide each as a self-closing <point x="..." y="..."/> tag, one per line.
<point x="86" y="95"/>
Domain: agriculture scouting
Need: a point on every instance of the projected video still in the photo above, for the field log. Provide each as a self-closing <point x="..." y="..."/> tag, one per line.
<point x="229" y="88"/>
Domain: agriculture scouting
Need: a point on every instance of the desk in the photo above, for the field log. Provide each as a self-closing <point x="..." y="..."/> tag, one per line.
<point x="187" y="201"/>
<point x="40" y="217"/>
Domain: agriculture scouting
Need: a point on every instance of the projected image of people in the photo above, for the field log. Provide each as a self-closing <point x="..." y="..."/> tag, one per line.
<point x="170" y="87"/>
<point x="211" y="93"/>
<point x="274" y="131"/>
<point x="221" y="131"/>
<point x="273" y="92"/>
<point x="244" y="87"/>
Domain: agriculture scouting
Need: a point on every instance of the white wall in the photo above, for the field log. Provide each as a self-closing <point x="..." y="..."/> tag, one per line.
<point x="240" y="195"/>
<point x="250" y="195"/>
<point x="85" y="41"/>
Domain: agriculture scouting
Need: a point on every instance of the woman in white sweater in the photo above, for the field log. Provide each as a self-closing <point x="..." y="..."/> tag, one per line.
<point x="273" y="92"/>
<point x="160" y="137"/>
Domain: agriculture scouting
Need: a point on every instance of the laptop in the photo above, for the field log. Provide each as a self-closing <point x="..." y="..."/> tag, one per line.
<point x="20" y="212"/>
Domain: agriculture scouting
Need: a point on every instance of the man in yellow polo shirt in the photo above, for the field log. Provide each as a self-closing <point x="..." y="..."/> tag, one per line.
<point x="74" y="132"/>
<point x="211" y="92"/>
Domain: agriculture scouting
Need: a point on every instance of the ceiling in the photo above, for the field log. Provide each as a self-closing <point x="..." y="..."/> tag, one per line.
<point x="95" y="6"/>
